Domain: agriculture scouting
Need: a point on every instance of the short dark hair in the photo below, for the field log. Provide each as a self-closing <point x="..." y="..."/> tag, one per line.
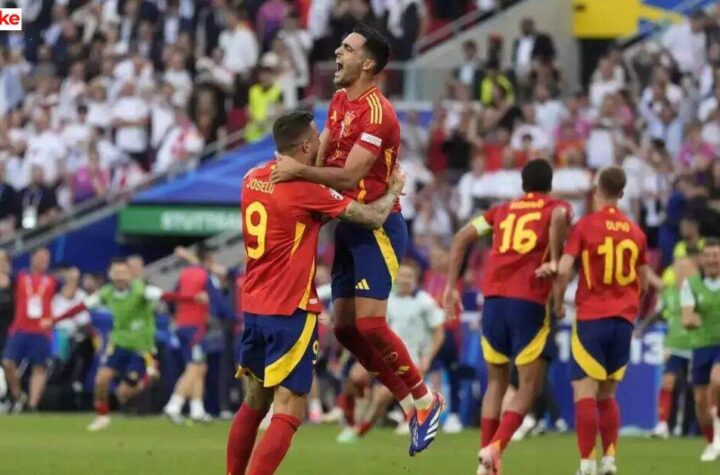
<point x="375" y="44"/>
<point x="204" y="251"/>
<point x="711" y="242"/>
<point x="611" y="181"/>
<point x="118" y="260"/>
<point x="290" y="128"/>
<point x="537" y="176"/>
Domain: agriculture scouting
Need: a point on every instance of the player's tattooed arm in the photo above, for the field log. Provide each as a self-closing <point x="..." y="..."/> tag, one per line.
<point x="374" y="214"/>
<point x="357" y="166"/>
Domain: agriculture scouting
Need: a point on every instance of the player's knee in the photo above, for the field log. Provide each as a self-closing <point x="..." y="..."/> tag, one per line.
<point x="38" y="370"/>
<point x="9" y="365"/>
<point x="288" y="402"/>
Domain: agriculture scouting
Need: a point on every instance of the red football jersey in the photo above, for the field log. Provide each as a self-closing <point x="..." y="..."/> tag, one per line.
<point x="281" y="224"/>
<point x="192" y="281"/>
<point x="33" y="302"/>
<point x="611" y="249"/>
<point x="370" y="122"/>
<point x="520" y="244"/>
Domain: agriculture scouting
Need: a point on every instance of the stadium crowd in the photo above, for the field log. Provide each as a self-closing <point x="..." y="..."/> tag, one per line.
<point x="96" y="95"/>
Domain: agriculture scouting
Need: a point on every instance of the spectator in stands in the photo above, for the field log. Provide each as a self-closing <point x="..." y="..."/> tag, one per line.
<point x="495" y="79"/>
<point x="299" y="44"/>
<point x="600" y="146"/>
<point x="413" y="137"/>
<point x="39" y="205"/>
<point x="239" y="45"/>
<point x="540" y="140"/>
<point x="549" y="112"/>
<point x="604" y="82"/>
<point x="530" y="47"/>
<point x="691" y="239"/>
<point x="686" y="43"/>
<point x="567" y="138"/>
<point x="665" y="123"/>
<point x="8" y="205"/>
<point x="346" y="15"/>
<point x="269" y="20"/>
<point x="178" y="77"/>
<point x="90" y="181"/>
<point x="573" y="182"/>
<point x="11" y="86"/>
<point x="76" y="136"/>
<point x="265" y="103"/>
<point x="695" y="153"/>
<point x="182" y="142"/>
<point x="469" y="72"/>
<point x="472" y="189"/>
<point x="131" y="117"/>
<point x="417" y="178"/>
<point x="403" y="23"/>
<point x="46" y="149"/>
<point x="506" y="183"/>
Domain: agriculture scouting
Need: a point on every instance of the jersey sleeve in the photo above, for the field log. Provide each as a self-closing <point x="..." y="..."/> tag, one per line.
<point x="574" y="242"/>
<point x="320" y="199"/>
<point x="375" y="129"/>
<point x="483" y="223"/>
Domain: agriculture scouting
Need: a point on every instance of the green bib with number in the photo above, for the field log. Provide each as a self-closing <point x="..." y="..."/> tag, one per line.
<point x="133" y="317"/>
<point x="707" y="305"/>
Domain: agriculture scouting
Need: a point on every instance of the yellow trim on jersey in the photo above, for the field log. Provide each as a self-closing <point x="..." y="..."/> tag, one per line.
<point x="619" y="374"/>
<point x="586" y="268"/>
<point x="534" y="349"/>
<point x="481" y="225"/>
<point x="299" y="231"/>
<point x="278" y="371"/>
<point x="585" y="360"/>
<point x="363" y="191"/>
<point x="387" y="251"/>
<point x="388" y="163"/>
<point x="367" y="93"/>
<point x="375" y="109"/>
<point x="148" y="360"/>
<point x="306" y="296"/>
<point x="491" y="355"/>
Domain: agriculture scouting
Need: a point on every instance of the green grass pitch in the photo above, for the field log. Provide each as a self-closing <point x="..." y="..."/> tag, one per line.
<point x="59" y="445"/>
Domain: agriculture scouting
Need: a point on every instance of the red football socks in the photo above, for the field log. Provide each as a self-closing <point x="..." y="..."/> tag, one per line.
<point x="609" y="424"/>
<point x="664" y="405"/>
<point x="102" y="408"/>
<point x="364" y="428"/>
<point x="241" y="439"/>
<point x="376" y="331"/>
<point x="509" y="423"/>
<point x="488" y="427"/>
<point x="351" y="338"/>
<point x="586" y="426"/>
<point x="346" y="402"/>
<point x="709" y="433"/>
<point x="272" y="448"/>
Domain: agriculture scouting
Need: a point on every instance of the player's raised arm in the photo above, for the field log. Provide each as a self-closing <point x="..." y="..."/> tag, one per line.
<point x="374" y="214"/>
<point x="357" y="166"/>
<point x="155" y="294"/>
<point x="690" y="318"/>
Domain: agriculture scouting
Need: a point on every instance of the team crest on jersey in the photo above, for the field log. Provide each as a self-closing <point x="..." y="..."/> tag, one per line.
<point x="346" y="123"/>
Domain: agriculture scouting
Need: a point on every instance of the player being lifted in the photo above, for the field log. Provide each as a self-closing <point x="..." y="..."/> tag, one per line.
<point x="527" y="236"/>
<point x="613" y="269"/>
<point x="279" y="344"/>
<point x="700" y="303"/>
<point x="357" y="154"/>
<point x="132" y="339"/>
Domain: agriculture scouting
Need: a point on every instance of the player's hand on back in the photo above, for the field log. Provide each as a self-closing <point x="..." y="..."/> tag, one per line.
<point x="286" y="169"/>
<point x="548" y="269"/>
